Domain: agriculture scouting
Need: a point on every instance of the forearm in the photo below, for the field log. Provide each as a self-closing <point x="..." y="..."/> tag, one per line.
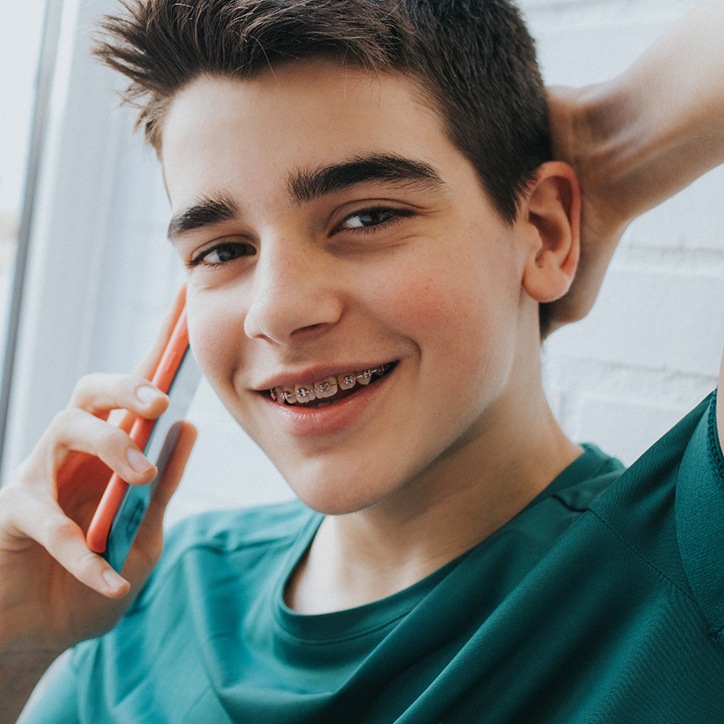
<point x="638" y="139"/>
<point x="660" y="125"/>
<point x="19" y="674"/>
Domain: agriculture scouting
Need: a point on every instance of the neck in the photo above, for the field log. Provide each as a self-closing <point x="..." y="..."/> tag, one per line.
<point x="508" y="458"/>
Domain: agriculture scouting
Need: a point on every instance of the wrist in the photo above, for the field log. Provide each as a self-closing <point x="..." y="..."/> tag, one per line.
<point x="647" y="138"/>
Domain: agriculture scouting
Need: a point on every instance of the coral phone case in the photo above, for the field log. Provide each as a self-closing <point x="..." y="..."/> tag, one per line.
<point x="122" y="507"/>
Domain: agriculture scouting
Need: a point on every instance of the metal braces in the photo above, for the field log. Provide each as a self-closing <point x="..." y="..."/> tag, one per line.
<point x="291" y="397"/>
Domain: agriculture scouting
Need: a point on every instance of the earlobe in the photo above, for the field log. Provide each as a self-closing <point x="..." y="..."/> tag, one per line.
<point x="552" y="213"/>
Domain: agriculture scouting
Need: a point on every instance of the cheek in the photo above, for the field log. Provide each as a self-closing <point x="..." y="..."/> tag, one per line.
<point x="462" y="316"/>
<point x="464" y="303"/>
<point x="214" y="336"/>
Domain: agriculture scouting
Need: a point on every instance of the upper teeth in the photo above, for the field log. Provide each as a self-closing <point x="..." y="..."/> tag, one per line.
<point x="326" y="387"/>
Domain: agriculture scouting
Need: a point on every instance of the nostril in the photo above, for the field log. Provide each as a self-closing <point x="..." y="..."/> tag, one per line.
<point x="309" y="329"/>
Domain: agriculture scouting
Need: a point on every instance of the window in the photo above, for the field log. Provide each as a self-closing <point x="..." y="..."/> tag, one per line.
<point x="100" y="272"/>
<point x="21" y="95"/>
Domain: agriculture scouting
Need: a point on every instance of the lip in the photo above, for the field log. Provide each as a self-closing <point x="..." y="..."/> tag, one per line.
<point x="343" y="416"/>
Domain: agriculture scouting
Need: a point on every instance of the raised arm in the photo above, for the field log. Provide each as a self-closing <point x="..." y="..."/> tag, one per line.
<point x="638" y="139"/>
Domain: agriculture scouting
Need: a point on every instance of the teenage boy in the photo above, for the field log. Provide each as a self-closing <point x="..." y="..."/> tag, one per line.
<point x="363" y="195"/>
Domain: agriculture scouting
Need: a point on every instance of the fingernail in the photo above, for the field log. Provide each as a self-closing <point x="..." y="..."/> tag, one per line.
<point x="113" y="580"/>
<point x="137" y="461"/>
<point x="147" y="394"/>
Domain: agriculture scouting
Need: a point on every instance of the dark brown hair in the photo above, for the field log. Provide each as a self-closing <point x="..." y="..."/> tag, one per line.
<point x="474" y="61"/>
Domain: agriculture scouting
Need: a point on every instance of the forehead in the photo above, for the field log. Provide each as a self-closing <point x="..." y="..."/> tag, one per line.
<point x="219" y="131"/>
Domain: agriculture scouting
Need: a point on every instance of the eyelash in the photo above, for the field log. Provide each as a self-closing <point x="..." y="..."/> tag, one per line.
<point x="199" y="259"/>
<point x="395" y="216"/>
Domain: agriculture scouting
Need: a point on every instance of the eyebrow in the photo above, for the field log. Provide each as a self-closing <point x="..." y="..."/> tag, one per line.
<point x="307" y="185"/>
<point x="207" y="211"/>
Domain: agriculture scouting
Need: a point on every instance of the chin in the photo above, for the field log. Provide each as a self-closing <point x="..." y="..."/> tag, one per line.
<point x="335" y="495"/>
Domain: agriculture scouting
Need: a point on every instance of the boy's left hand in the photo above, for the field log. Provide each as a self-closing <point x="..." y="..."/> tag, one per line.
<point x="602" y="224"/>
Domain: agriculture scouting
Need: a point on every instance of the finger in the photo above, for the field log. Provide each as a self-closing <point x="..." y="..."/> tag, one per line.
<point x="99" y="393"/>
<point x="74" y="430"/>
<point x="44" y="522"/>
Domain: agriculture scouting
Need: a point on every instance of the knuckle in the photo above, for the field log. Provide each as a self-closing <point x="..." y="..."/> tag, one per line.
<point x="84" y="388"/>
<point x="86" y="563"/>
<point x="59" y="427"/>
<point x="24" y="473"/>
<point x="11" y="496"/>
<point x="57" y="530"/>
<point x="111" y="438"/>
<point x="100" y="393"/>
<point x="64" y="419"/>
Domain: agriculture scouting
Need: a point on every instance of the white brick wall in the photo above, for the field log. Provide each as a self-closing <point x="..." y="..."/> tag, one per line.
<point x="649" y="351"/>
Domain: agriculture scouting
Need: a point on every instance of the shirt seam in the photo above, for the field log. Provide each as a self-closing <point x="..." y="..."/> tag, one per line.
<point x="308" y="642"/>
<point x="160" y="577"/>
<point x="643" y="558"/>
<point x="714" y="446"/>
<point x="605" y="468"/>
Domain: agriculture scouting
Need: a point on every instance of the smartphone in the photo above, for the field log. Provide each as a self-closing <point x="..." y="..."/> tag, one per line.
<point x="122" y="507"/>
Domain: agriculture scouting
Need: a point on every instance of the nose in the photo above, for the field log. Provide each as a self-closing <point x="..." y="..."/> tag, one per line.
<point x="293" y="293"/>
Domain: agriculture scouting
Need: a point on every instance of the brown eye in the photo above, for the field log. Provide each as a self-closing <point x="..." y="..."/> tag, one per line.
<point x="223" y="253"/>
<point x="368" y="217"/>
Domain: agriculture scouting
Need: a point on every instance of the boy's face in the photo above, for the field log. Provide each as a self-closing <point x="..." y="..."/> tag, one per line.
<point x="330" y="228"/>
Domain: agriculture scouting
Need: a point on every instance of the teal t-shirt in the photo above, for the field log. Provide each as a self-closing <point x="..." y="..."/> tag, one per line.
<point x="602" y="601"/>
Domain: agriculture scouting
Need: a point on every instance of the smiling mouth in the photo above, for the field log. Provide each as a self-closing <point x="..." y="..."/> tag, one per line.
<point x="331" y="389"/>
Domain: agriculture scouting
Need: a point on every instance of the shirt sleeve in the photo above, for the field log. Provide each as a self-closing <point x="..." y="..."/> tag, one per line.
<point x="55" y="698"/>
<point x="700" y="520"/>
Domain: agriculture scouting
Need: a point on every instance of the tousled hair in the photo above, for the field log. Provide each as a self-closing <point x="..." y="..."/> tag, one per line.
<point x="474" y="60"/>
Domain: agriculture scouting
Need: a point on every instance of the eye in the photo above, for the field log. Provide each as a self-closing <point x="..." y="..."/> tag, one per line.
<point x="374" y="217"/>
<point x="222" y="254"/>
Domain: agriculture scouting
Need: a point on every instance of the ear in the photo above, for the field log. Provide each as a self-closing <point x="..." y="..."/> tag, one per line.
<point x="552" y="210"/>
